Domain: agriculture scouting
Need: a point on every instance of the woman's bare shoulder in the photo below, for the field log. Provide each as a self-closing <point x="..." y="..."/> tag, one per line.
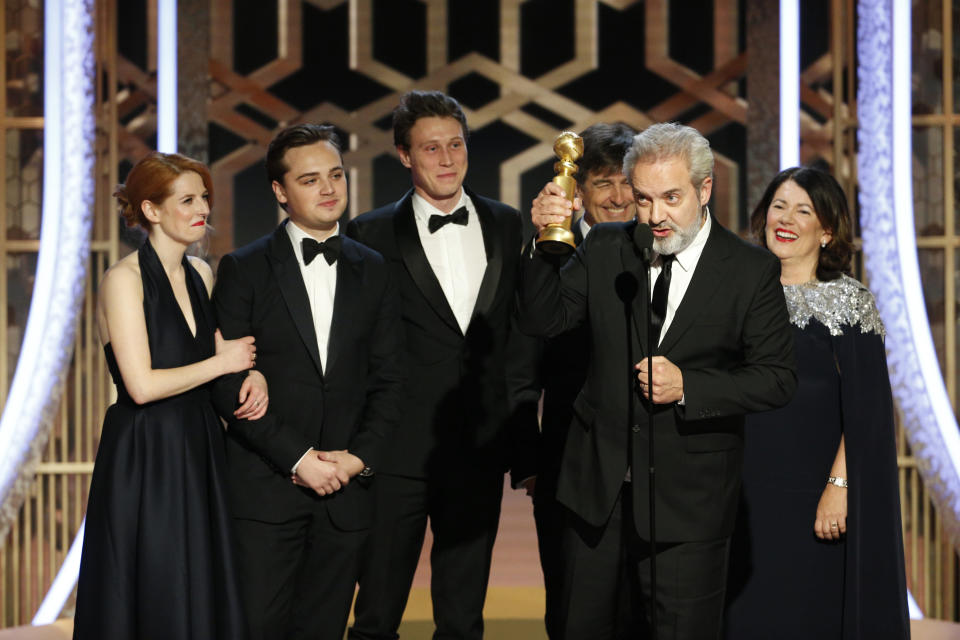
<point x="122" y="278"/>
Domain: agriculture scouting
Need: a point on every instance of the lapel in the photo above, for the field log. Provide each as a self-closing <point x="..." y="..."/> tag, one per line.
<point x="707" y="278"/>
<point x="633" y="265"/>
<point x="494" y="251"/>
<point x="415" y="260"/>
<point x="345" y="298"/>
<point x="283" y="261"/>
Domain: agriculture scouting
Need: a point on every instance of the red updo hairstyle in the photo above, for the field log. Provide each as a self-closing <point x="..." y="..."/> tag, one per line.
<point x="152" y="179"/>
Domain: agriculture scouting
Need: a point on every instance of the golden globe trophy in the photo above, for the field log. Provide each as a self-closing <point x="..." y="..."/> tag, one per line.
<point x="556" y="238"/>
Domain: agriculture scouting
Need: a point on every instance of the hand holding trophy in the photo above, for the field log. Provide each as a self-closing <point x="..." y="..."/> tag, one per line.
<point x="556" y="238"/>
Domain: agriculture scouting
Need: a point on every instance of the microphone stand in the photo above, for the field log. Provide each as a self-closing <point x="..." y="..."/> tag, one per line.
<point x="648" y="260"/>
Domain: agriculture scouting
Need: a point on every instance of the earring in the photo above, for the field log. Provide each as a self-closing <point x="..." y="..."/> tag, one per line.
<point x="823" y="244"/>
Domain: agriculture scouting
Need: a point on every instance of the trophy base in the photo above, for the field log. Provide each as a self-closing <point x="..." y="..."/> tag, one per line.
<point x="556" y="241"/>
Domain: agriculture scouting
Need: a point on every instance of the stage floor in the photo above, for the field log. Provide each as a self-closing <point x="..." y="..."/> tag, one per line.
<point x="515" y="599"/>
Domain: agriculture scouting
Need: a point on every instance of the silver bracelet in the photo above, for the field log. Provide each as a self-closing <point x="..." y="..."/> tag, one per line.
<point x="838" y="481"/>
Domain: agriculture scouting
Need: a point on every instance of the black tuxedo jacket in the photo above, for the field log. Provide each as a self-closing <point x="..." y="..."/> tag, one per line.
<point x="730" y="338"/>
<point x="351" y="403"/>
<point x="455" y="401"/>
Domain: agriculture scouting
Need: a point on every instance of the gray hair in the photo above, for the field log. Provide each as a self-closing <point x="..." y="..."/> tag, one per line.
<point x="671" y="140"/>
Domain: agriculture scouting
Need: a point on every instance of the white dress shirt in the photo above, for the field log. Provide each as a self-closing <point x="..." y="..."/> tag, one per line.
<point x="584" y="226"/>
<point x="684" y="264"/>
<point x="456" y="254"/>
<point x="681" y="273"/>
<point x="320" y="279"/>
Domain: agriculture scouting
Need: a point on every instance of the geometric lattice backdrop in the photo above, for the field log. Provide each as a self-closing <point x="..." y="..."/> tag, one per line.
<point x="524" y="70"/>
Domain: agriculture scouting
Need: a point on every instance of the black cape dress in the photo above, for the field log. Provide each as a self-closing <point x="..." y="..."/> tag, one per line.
<point x="785" y="582"/>
<point x="157" y="557"/>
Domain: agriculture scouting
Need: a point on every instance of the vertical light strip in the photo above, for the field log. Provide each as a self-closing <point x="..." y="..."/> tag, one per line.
<point x="67" y="216"/>
<point x="167" y="76"/>
<point x="789" y="83"/>
<point x="63" y="584"/>
<point x="913" y="609"/>
<point x="890" y="250"/>
<point x="916" y="309"/>
<point x="66" y="577"/>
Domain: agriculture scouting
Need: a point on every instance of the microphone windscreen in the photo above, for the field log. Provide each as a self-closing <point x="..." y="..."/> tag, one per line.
<point x="642" y="236"/>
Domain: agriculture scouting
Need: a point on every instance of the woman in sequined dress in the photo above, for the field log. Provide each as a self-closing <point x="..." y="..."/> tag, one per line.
<point x="818" y="551"/>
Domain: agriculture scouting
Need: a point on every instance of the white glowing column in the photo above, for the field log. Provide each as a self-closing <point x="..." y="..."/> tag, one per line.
<point x="789" y="83"/>
<point x="167" y="76"/>
<point x="884" y="166"/>
<point x="166" y="141"/>
<point x="68" y="193"/>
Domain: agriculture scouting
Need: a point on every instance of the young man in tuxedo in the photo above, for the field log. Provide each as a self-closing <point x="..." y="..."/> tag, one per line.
<point x="560" y="371"/>
<point x="722" y="347"/>
<point x="326" y="317"/>
<point x="455" y="256"/>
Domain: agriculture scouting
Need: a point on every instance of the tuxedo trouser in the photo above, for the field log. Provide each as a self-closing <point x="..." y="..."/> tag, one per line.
<point x="464" y="512"/>
<point x="607" y="582"/>
<point x="297" y="577"/>
<point x="550" y="519"/>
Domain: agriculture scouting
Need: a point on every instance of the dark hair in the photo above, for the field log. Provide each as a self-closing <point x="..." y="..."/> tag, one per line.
<point x="604" y="146"/>
<point x="830" y="205"/>
<point x="424" y="104"/>
<point x="298" y="135"/>
<point x="152" y="179"/>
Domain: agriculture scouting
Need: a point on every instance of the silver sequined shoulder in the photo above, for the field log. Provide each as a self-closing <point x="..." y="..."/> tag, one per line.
<point x="839" y="303"/>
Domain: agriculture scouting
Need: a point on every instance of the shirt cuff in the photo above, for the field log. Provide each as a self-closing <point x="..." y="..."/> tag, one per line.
<point x="683" y="400"/>
<point x="294" y="469"/>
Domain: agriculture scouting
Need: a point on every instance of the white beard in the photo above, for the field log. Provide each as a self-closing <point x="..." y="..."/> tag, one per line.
<point x="680" y="239"/>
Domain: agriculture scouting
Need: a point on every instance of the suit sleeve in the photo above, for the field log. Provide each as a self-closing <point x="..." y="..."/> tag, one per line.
<point x="765" y="378"/>
<point x="381" y="412"/>
<point x="552" y="300"/>
<point x="353" y="231"/>
<point x="233" y="302"/>
<point x="524" y="387"/>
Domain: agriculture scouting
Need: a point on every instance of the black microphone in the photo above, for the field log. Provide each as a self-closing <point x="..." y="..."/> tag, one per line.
<point x="643" y="240"/>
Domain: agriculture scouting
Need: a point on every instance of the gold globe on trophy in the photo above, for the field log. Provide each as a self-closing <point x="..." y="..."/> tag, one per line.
<point x="556" y="238"/>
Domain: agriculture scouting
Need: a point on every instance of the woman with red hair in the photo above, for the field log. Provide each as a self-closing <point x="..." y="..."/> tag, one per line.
<point x="157" y="555"/>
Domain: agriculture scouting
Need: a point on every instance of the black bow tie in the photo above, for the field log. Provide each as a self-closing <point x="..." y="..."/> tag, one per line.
<point x="457" y="217"/>
<point x="330" y="249"/>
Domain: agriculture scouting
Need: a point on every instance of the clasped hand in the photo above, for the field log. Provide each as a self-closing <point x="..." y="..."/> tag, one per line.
<point x="327" y="471"/>
<point x="667" y="380"/>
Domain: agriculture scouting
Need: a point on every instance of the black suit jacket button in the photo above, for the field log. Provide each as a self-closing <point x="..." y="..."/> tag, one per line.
<point x="636" y="428"/>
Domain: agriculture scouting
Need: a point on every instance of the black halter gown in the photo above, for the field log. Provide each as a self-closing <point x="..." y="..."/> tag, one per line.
<point x="157" y="556"/>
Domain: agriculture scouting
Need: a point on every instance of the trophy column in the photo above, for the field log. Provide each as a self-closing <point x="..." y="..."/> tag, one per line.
<point x="556" y="238"/>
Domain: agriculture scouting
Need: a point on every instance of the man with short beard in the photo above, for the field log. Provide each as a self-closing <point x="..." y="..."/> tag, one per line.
<point x="721" y="347"/>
